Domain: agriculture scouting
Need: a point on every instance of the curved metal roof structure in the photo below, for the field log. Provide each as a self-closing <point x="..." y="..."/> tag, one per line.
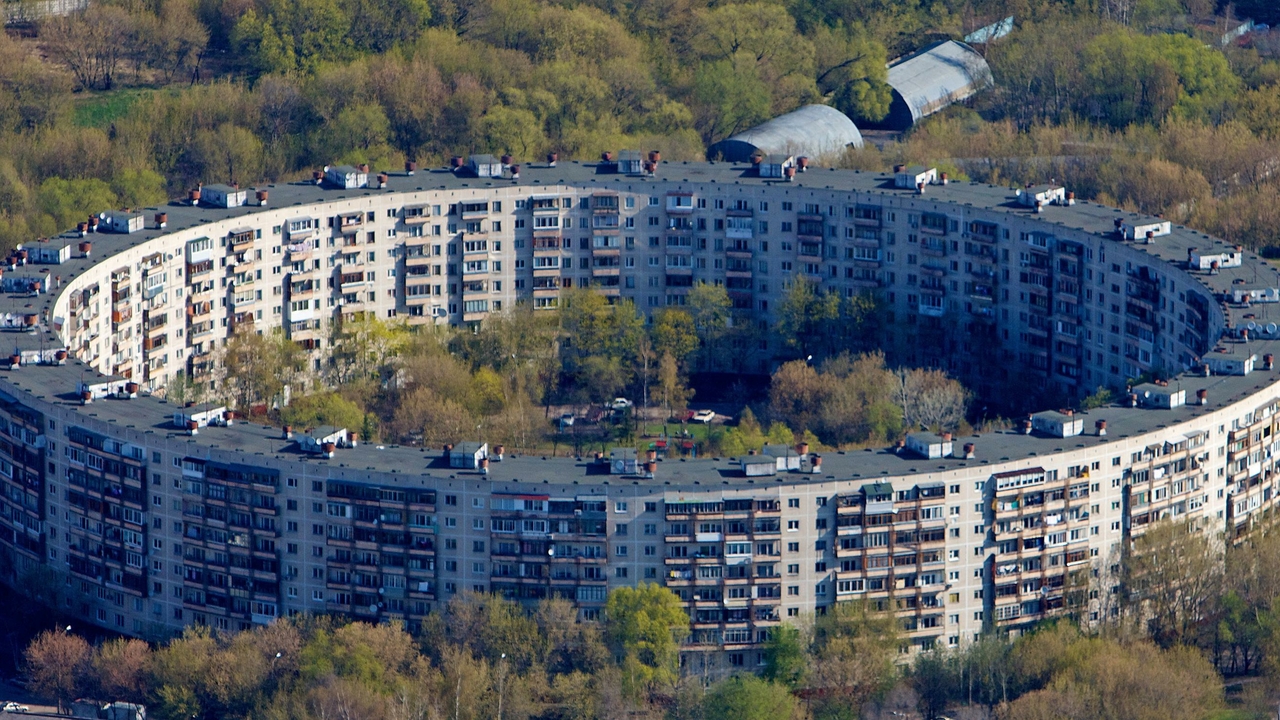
<point x="932" y="79"/>
<point x="813" y="130"/>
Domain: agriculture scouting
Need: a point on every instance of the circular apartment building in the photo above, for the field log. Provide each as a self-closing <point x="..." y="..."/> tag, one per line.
<point x="148" y="516"/>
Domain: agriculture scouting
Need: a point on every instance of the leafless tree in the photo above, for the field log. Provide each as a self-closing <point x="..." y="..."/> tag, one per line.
<point x="929" y="398"/>
<point x="92" y="43"/>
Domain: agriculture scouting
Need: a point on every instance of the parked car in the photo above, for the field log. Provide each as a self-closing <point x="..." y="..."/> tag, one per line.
<point x="621" y="404"/>
<point x="566" y="419"/>
<point x="13" y="707"/>
<point x="704" y="416"/>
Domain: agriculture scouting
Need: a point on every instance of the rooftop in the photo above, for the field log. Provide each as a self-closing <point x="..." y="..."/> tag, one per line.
<point x="57" y="384"/>
<point x="152" y="416"/>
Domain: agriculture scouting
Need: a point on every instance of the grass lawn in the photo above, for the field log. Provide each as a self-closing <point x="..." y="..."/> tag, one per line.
<point x="99" y="110"/>
<point x="698" y="431"/>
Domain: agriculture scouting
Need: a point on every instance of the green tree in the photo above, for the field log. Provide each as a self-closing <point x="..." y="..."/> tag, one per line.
<point x="731" y="97"/>
<point x="710" y="307"/>
<point x="602" y="343"/>
<point x="514" y="130"/>
<point x="646" y="625"/>
<point x="851" y="72"/>
<point x="379" y="25"/>
<point x="935" y="678"/>
<point x="138" y="188"/>
<point x="747" y="436"/>
<point x="1131" y="77"/>
<point x="260" y="48"/>
<point x="71" y="201"/>
<point x="674" y="333"/>
<point x="747" y="697"/>
<point x="1101" y="397"/>
<point x="784" y="655"/>
<point x="323" y="408"/>
<point x="818" y="322"/>
<point x="359" y="133"/>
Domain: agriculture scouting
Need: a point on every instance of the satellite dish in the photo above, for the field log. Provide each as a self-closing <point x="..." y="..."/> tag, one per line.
<point x="1252" y="326"/>
<point x="1271" y="328"/>
<point x="619" y="466"/>
<point x="373" y="608"/>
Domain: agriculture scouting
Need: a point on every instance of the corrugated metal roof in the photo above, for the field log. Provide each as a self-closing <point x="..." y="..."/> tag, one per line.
<point x="937" y="76"/>
<point x="813" y="131"/>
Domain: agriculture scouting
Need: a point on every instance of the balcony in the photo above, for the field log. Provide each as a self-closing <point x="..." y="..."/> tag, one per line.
<point x="298" y="251"/>
<point x="240" y="240"/>
<point x="809" y="225"/>
<point x="241" y="321"/>
<point x="867" y="217"/>
<point x="416" y="214"/>
<point x="473" y="209"/>
<point x="546" y="243"/>
<point x="809" y="251"/>
<point x="541" y="204"/>
<point x="933" y="247"/>
<point x="242" y="261"/>
<point x="604" y="203"/>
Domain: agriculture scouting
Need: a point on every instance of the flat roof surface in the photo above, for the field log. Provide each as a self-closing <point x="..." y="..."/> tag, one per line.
<point x="58" y="383"/>
<point x="151" y="415"/>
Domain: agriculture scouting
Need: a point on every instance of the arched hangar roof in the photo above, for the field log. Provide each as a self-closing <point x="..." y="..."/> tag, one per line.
<point x="932" y="79"/>
<point x="813" y="130"/>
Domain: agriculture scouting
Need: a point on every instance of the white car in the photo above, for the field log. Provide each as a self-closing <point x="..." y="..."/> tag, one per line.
<point x="621" y="404"/>
<point x="566" y="419"/>
<point x="13" y="707"/>
<point x="704" y="416"/>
